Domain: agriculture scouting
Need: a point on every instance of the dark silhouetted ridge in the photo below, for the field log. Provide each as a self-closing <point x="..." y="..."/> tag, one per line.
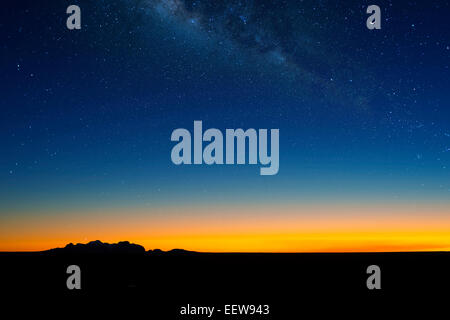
<point x="101" y="247"/>
<point x="122" y="247"/>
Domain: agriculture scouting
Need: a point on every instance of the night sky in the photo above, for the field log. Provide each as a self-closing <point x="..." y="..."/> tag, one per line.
<point x="364" y="119"/>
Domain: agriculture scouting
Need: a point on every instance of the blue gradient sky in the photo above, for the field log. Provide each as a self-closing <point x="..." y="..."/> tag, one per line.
<point x="87" y="115"/>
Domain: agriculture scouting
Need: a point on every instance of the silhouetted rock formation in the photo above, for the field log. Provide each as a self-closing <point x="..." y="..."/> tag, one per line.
<point x="123" y="247"/>
<point x="180" y="251"/>
<point x="101" y="247"/>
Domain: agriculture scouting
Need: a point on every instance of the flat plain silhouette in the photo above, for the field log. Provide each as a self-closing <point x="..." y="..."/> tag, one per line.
<point x="170" y="279"/>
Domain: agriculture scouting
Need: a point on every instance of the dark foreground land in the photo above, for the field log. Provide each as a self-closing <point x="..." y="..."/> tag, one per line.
<point x="167" y="281"/>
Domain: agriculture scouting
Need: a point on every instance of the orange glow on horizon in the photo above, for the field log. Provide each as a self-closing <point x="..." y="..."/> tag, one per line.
<point x="241" y="229"/>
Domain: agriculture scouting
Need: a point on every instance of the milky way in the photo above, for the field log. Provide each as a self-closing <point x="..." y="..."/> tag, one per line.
<point x="286" y="38"/>
<point x="362" y="113"/>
